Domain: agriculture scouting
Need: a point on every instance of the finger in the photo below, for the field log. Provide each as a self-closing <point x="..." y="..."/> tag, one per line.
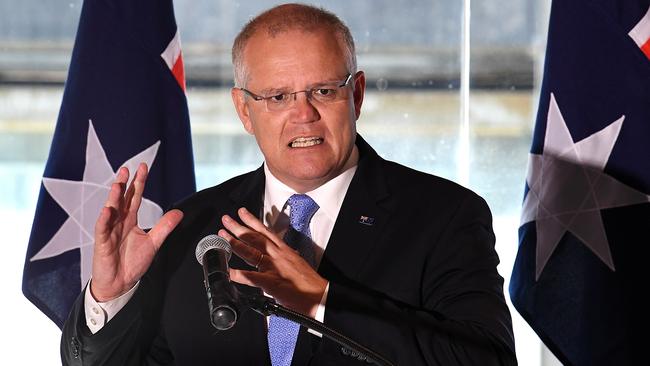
<point x="113" y="202"/>
<point x="134" y="194"/>
<point x="116" y="194"/>
<point x="247" y="235"/>
<point x="249" y="278"/>
<point x="254" y="223"/>
<point x="131" y="190"/>
<point x="164" y="226"/>
<point x="249" y="254"/>
<point x="102" y="226"/>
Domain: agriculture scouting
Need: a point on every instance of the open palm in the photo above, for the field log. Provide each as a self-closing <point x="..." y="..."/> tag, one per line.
<point x="123" y="251"/>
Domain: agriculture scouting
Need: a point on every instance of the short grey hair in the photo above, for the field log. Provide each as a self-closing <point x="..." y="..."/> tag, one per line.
<point x="284" y="18"/>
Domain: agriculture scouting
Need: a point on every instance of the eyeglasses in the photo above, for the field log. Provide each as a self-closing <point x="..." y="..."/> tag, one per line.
<point x="324" y="94"/>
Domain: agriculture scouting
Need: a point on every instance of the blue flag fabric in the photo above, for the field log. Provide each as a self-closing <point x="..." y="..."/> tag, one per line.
<point x="580" y="278"/>
<point x="124" y="103"/>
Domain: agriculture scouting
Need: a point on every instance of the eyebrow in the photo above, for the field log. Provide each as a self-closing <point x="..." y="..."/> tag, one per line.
<point x="282" y="90"/>
<point x="330" y="81"/>
<point x="326" y="83"/>
<point x="273" y="91"/>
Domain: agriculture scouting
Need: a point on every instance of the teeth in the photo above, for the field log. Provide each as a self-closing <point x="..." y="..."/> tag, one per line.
<point x="306" y="141"/>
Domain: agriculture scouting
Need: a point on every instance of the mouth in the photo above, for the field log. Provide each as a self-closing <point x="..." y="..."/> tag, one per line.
<point x="305" y="142"/>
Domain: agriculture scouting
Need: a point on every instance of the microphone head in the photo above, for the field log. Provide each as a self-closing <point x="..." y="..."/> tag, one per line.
<point x="224" y="317"/>
<point x="212" y="242"/>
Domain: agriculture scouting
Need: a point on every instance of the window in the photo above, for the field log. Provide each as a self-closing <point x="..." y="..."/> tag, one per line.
<point x="427" y="106"/>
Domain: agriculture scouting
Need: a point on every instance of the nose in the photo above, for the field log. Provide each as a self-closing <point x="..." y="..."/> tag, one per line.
<point x="304" y="109"/>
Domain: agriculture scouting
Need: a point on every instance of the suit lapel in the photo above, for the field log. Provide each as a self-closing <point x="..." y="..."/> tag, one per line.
<point x="352" y="237"/>
<point x="360" y="221"/>
<point x="250" y="193"/>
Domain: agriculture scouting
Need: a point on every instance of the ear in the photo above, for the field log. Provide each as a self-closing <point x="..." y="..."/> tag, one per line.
<point x="239" y="100"/>
<point x="359" y="91"/>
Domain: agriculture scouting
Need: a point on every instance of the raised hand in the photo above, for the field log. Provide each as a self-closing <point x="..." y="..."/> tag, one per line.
<point x="123" y="252"/>
<point x="281" y="271"/>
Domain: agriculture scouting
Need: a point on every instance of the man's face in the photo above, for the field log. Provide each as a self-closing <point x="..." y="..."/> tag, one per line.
<point x="311" y="142"/>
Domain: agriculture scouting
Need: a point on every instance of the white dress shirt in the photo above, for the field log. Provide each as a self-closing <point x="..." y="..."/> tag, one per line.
<point x="329" y="198"/>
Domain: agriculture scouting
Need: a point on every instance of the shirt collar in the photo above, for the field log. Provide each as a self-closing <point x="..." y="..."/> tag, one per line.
<point x="329" y="196"/>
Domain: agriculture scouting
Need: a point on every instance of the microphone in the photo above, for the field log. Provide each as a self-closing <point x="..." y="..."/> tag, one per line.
<point x="213" y="253"/>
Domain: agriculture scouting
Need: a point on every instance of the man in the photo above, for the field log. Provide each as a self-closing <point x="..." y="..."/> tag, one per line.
<point x="401" y="261"/>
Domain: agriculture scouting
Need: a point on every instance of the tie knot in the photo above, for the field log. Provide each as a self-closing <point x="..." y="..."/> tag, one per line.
<point x="302" y="209"/>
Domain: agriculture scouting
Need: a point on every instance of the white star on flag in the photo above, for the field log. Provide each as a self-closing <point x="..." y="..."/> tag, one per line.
<point x="568" y="189"/>
<point x="83" y="201"/>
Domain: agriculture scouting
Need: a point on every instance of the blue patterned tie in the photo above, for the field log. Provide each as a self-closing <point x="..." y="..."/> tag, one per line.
<point x="283" y="333"/>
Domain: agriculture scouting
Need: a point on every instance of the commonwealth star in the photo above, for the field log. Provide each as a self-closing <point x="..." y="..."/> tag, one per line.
<point x="568" y="188"/>
<point x="83" y="200"/>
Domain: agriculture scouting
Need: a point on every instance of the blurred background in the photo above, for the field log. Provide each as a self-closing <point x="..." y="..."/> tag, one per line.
<point x="452" y="90"/>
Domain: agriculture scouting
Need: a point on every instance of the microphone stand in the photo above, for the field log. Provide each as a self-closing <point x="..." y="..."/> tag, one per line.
<point x="267" y="306"/>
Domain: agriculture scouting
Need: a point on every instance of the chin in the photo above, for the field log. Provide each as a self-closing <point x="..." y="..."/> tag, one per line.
<point x="311" y="173"/>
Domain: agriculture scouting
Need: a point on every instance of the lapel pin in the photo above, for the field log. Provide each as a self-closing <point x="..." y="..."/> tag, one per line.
<point x="367" y="220"/>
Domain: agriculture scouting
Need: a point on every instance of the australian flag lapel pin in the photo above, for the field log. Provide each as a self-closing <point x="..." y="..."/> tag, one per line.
<point x="366" y="220"/>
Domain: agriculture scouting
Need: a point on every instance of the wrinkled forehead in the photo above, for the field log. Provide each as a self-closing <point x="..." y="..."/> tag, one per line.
<point x="329" y="40"/>
<point x="283" y="53"/>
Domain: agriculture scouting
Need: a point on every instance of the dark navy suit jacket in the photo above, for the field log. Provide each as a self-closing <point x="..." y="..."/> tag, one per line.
<point x="415" y="280"/>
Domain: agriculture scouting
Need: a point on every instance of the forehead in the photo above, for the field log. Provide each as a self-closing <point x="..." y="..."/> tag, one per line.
<point x="294" y="55"/>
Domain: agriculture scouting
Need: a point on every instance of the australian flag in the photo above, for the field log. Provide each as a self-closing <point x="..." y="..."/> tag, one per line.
<point x="124" y="103"/>
<point x="581" y="274"/>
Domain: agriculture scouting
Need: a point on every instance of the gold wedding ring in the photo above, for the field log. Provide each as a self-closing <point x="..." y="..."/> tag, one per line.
<point x="259" y="261"/>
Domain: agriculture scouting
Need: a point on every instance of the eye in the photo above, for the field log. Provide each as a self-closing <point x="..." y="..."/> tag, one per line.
<point x="278" y="98"/>
<point x="325" y="92"/>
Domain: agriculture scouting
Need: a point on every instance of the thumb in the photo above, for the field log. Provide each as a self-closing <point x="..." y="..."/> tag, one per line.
<point x="164" y="226"/>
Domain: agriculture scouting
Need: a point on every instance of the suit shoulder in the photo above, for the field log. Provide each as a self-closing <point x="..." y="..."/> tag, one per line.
<point x="213" y="194"/>
<point x="431" y="190"/>
<point x="404" y="178"/>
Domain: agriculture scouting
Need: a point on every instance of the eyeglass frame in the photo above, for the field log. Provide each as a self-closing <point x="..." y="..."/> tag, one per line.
<point x="308" y="92"/>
